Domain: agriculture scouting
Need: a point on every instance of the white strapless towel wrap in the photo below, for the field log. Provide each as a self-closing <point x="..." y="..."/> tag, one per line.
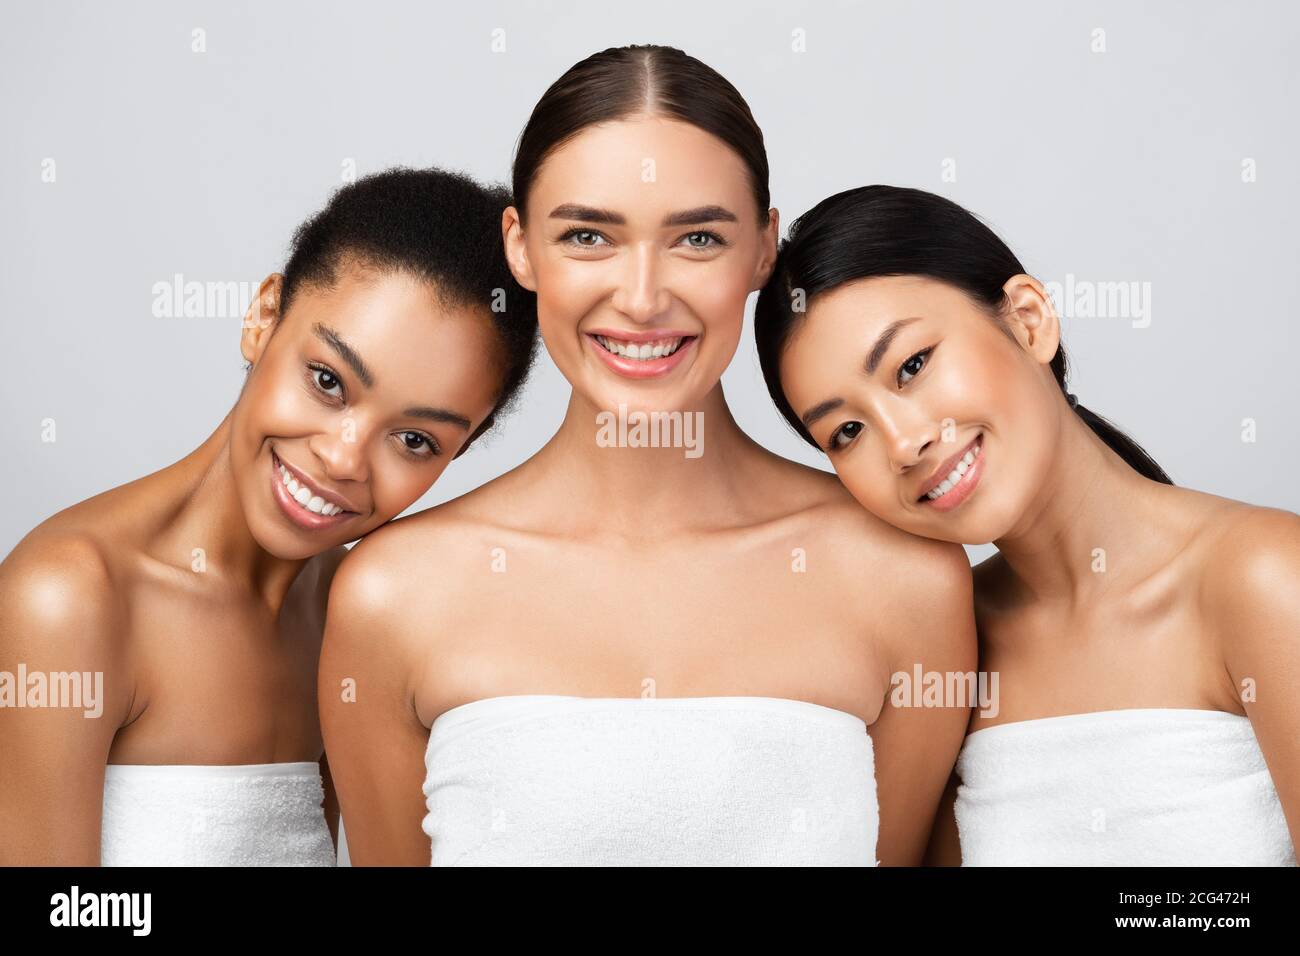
<point x="239" y="815"/>
<point x="1135" y="787"/>
<point x="542" y="780"/>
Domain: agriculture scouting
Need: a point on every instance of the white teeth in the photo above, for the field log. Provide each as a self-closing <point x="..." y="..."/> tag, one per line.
<point x="956" y="475"/>
<point x="302" y="494"/>
<point x="643" y="352"/>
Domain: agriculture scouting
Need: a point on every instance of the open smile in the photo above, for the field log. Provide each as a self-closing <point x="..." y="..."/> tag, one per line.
<point x="303" y="501"/>
<point x="641" y="354"/>
<point x="956" y="478"/>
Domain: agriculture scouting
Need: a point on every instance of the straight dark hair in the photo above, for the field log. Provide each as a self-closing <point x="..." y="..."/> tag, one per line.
<point x="892" y="231"/>
<point x="625" y="81"/>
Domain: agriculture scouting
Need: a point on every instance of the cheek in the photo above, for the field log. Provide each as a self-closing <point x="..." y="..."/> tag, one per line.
<point x="396" y="485"/>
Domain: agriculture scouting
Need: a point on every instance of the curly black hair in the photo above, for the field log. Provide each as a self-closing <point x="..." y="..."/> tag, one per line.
<point x="440" y="226"/>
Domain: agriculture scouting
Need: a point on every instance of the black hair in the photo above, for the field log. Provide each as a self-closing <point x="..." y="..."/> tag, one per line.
<point x="439" y="226"/>
<point x="892" y="231"/>
<point x="624" y="81"/>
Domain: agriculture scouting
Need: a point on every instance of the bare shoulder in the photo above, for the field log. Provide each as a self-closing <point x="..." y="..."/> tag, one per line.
<point x="860" y="542"/>
<point x="894" y="576"/>
<point x="60" y="593"/>
<point x="1249" y="568"/>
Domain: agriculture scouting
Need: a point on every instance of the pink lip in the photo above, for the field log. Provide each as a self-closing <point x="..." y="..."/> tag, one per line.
<point x="964" y="488"/>
<point x="634" y="368"/>
<point x="296" y="512"/>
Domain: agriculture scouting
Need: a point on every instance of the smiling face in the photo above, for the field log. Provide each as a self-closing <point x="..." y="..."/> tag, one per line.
<point x="357" y="400"/>
<point x="642" y="244"/>
<point x="936" y="419"/>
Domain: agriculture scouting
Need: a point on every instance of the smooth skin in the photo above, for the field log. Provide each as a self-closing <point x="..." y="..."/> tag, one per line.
<point x="219" y="665"/>
<point x="637" y="571"/>
<point x="1197" y="605"/>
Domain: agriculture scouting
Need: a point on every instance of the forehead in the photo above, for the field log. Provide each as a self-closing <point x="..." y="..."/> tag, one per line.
<point x="842" y="325"/>
<point x="645" y="165"/>
<point x="414" y="343"/>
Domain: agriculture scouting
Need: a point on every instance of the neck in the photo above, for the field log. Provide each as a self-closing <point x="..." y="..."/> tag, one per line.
<point x="642" y="492"/>
<point x="1091" y="499"/>
<point x="207" y="514"/>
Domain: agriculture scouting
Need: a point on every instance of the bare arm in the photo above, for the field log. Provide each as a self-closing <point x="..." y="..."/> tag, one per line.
<point x="916" y="746"/>
<point x="57" y="614"/>
<point x="945" y="844"/>
<point x="374" y="741"/>
<point x="1253" y="594"/>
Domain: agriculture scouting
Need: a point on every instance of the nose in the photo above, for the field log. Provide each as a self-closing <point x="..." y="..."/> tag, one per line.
<point x="641" y="295"/>
<point x="342" y="450"/>
<point x="907" y="435"/>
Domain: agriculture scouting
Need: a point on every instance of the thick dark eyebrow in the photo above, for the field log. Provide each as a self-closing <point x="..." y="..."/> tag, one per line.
<point x="878" y="350"/>
<point x="346" y="352"/>
<point x="820" y="410"/>
<point x="872" y="362"/>
<point x="686" y="217"/>
<point x="439" y="415"/>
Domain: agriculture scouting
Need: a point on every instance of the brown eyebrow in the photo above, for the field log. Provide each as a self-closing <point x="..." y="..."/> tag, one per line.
<point x="686" y="217"/>
<point x="345" y="351"/>
<point x="872" y="362"/>
<point x="878" y="350"/>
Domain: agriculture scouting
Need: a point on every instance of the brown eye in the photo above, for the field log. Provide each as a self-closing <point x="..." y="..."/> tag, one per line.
<point x="845" y="434"/>
<point x="326" y="381"/>
<point x="912" y="367"/>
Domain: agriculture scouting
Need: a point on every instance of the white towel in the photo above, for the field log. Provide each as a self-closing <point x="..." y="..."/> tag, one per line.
<point x="546" y="779"/>
<point x="1164" y="787"/>
<point x="238" y="815"/>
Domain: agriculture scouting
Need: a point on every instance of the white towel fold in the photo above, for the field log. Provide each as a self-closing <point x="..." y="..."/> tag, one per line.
<point x="558" y="780"/>
<point x="238" y="815"/>
<point x="1136" y="787"/>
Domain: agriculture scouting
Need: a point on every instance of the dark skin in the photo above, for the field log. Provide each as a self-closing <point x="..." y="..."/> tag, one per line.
<point x="212" y="659"/>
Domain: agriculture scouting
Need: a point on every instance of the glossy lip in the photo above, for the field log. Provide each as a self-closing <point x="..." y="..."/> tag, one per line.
<point x="633" y="368"/>
<point x="963" y="489"/>
<point x="296" y="512"/>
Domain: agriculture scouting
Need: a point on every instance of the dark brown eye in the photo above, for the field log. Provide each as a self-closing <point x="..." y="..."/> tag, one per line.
<point x="845" y="434"/>
<point x="912" y="367"/>
<point x="326" y="381"/>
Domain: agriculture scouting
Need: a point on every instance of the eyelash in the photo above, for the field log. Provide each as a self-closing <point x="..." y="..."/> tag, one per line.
<point x="923" y="355"/>
<point x="717" y="239"/>
<point x="315" y="367"/>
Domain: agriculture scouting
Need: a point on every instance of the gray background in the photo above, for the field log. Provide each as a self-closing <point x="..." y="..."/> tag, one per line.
<point x="1117" y="166"/>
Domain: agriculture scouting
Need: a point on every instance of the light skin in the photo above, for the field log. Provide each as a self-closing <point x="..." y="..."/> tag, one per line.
<point x="422" y="623"/>
<point x="1195" y="606"/>
<point x="212" y="658"/>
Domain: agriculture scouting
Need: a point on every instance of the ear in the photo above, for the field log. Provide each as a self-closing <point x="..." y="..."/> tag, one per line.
<point x="512" y="234"/>
<point x="262" y="317"/>
<point x="1031" y="317"/>
<point x="768" y="243"/>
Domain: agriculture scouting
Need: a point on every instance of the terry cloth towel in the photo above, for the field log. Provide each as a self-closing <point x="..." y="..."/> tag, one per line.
<point x="1151" y="786"/>
<point x="553" y="780"/>
<point x="265" y="814"/>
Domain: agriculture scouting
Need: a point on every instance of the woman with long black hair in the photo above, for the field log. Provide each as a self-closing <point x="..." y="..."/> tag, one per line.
<point x="1146" y="637"/>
